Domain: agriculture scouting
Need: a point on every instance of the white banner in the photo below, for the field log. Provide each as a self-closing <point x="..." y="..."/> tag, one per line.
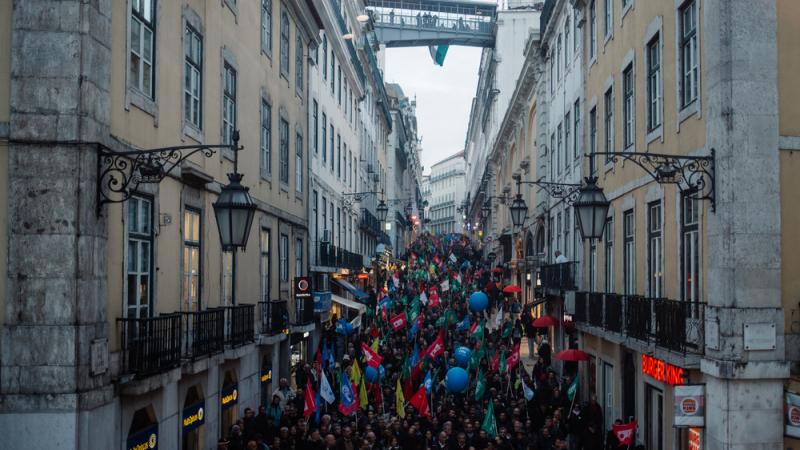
<point x="690" y="405"/>
<point x="792" y="408"/>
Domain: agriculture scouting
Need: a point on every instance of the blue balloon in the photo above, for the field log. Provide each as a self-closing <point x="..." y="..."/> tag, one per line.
<point x="457" y="380"/>
<point x="478" y="301"/>
<point x="344" y="327"/>
<point x="462" y="355"/>
<point x="374" y="375"/>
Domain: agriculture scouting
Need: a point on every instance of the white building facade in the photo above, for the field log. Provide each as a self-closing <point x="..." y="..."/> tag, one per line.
<point x="447" y="194"/>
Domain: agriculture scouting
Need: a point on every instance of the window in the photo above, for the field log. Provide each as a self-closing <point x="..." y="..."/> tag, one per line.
<point x="284" y="255"/>
<point x="324" y="138"/>
<point x="143" y="47"/>
<point x="576" y="145"/>
<point x="315" y="113"/>
<point x="190" y="286"/>
<point x="654" y="250"/>
<point x="653" y="84"/>
<point x="333" y="72"/>
<point x="139" y="263"/>
<point x="558" y="58"/>
<point x="284" y="151"/>
<point x="339" y="156"/>
<point x="608" y="23"/>
<point x="628" y="108"/>
<point x="285" y="43"/>
<point x="609" y="123"/>
<point x="688" y="62"/>
<point x="559" y="247"/>
<point x="592" y="29"/>
<point x="266" y="26"/>
<point x="325" y="228"/>
<point x="298" y="62"/>
<point x="566" y="42"/>
<point x="333" y="155"/>
<point x="229" y="105"/>
<point x="324" y="57"/>
<point x="266" y="260"/>
<point x="593" y="137"/>
<point x="339" y="91"/>
<point x="690" y="250"/>
<point x="559" y="148"/>
<point x="592" y="266"/>
<point x="266" y="137"/>
<point x="227" y="277"/>
<point x="629" y="255"/>
<point x="298" y="162"/>
<point x="193" y="77"/>
<point x="298" y="257"/>
<point x="567" y="226"/>
<point x="552" y="73"/>
<point x="608" y="238"/>
<point x="344" y="153"/>
<point x="575" y="34"/>
<point x="552" y="155"/>
<point x="567" y="140"/>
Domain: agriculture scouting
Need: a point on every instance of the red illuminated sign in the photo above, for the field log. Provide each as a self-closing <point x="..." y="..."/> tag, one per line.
<point x="362" y="276"/>
<point x="662" y="371"/>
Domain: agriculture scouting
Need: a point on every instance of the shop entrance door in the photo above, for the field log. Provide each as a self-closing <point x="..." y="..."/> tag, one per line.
<point x="608" y="394"/>
<point x="654" y="418"/>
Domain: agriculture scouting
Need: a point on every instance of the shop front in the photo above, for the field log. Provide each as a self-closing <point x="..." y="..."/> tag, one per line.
<point x="229" y="398"/>
<point x="143" y="432"/>
<point x="193" y="419"/>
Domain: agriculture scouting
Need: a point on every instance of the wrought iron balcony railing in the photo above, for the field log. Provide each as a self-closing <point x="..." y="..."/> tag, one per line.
<point x="638" y="317"/>
<point x="369" y="223"/>
<point x="580" y="307"/>
<point x="203" y="332"/>
<point x="150" y="345"/>
<point x="332" y="256"/>
<point x="304" y="311"/>
<point x="678" y="324"/>
<point x="239" y="324"/>
<point x="558" y="276"/>
<point x="596" y="309"/>
<point x="613" y="312"/>
<point x="274" y="317"/>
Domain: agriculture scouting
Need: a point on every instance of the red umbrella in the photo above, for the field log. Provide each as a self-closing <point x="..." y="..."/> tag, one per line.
<point x="572" y="354"/>
<point x="544" y="322"/>
<point x="512" y="289"/>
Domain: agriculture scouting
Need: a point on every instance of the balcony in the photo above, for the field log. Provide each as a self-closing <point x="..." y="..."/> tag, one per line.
<point x="369" y="223"/>
<point x="239" y="325"/>
<point x="274" y="317"/>
<point x="304" y="311"/>
<point x="150" y="345"/>
<point x="670" y="324"/>
<point x="332" y="256"/>
<point x="203" y="333"/>
<point x="558" y="276"/>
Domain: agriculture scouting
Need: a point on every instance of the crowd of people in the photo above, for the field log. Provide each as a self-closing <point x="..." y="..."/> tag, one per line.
<point x="392" y="384"/>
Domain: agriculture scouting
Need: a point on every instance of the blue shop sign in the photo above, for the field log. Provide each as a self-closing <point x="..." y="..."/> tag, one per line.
<point x="146" y="439"/>
<point x="194" y="416"/>
<point x="322" y="302"/>
<point x="230" y="396"/>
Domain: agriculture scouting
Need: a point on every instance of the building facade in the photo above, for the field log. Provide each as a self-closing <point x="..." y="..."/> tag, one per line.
<point x="144" y="334"/>
<point x="447" y="194"/>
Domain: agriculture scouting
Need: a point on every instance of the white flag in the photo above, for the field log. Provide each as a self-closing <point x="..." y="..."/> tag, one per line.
<point x="445" y="285"/>
<point x="325" y="390"/>
<point x="526" y="391"/>
<point x="453" y="258"/>
<point x="498" y="319"/>
<point x="423" y="298"/>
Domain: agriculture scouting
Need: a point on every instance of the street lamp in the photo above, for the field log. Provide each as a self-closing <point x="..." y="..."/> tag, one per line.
<point x="591" y="209"/>
<point x="383" y="211"/>
<point x="486" y="209"/>
<point x="409" y="209"/>
<point x="519" y="210"/>
<point x="234" y="210"/>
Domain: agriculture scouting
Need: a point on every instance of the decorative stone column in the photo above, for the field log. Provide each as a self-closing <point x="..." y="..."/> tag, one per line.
<point x="744" y="359"/>
<point x="54" y="323"/>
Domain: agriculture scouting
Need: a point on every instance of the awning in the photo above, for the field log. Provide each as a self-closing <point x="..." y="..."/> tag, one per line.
<point x="357" y="293"/>
<point x="360" y="307"/>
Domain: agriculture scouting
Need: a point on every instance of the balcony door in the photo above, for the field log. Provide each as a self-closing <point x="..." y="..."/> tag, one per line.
<point x="190" y="284"/>
<point x="139" y="259"/>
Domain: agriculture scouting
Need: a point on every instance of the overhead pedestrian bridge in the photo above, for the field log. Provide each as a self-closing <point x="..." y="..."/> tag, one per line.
<point x="416" y="23"/>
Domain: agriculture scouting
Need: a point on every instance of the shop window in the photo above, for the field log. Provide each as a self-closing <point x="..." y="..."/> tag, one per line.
<point x="193" y="419"/>
<point x="229" y="395"/>
<point x="144" y="429"/>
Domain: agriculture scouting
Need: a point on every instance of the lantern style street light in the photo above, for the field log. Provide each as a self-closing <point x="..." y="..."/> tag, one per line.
<point x="234" y="210"/>
<point x="591" y="209"/>
<point x="519" y="211"/>
<point x="383" y="211"/>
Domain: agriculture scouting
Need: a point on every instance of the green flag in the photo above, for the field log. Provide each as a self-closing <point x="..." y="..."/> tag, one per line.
<point x="573" y="388"/>
<point x="489" y="423"/>
<point x="503" y="368"/>
<point x="507" y="330"/>
<point x="480" y="386"/>
<point x="475" y="358"/>
<point x="478" y="332"/>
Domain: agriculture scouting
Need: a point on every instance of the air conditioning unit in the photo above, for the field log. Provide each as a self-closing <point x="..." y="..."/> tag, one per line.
<point x="326" y="237"/>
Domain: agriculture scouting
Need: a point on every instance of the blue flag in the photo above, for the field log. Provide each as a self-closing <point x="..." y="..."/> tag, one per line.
<point x="414" y="360"/>
<point x="331" y="357"/>
<point x="324" y="353"/>
<point x="413" y="331"/>
<point x="428" y="382"/>
<point x="464" y="324"/>
<point x="319" y="407"/>
<point x="347" y="398"/>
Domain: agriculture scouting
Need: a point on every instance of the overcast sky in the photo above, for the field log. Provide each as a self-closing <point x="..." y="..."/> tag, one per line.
<point x="444" y="95"/>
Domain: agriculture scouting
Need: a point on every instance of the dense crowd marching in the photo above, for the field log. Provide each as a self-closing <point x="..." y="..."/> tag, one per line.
<point x="430" y="368"/>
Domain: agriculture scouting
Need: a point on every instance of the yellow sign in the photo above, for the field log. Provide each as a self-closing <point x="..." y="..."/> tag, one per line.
<point x="193" y="418"/>
<point x="266" y="377"/>
<point x="230" y="398"/>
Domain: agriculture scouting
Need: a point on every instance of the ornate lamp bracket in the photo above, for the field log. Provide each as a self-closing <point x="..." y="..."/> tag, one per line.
<point x="694" y="175"/>
<point x="566" y="191"/>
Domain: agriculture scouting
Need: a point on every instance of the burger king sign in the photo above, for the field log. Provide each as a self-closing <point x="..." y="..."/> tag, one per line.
<point x="689" y="405"/>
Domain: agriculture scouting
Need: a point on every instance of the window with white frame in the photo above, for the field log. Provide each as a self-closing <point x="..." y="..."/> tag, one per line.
<point x="193" y="77"/>
<point x="575" y="33"/>
<point x="558" y="247"/>
<point x="592" y="29"/>
<point x="190" y="283"/>
<point x="690" y="250"/>
<point x="628" y="106"/>
<point x="324" y="139"/>
<point x="315" y="124"/>
<point x="629" y="253"/>
<point x="608" y="263"/>
<point x="654" y="83"/>
<point x="608" y="23"/>
<point x="688" y="55"/>
<point x="284" y="136"/>
<point x="298" y="257"/>
<point x="567" y="140"/>
<point x="552" y="155"/>
<point x="566" y="40"/>
<point x="228" y="104"/>
<point x="266" y="26"/>
<point x="285" y="43"/>
<point x="266" y="137"/>
<point x="567" y="226"/>
<point x="333" y="153"/>
<point x="654" y="250"/>
<point x="299" y="51"/>
<point x="298" y="162"/>
<point x="284" y="257"/>
<point x="143" y="47"/>
<point x="608" y="105"/>
<point x="324" y="57"/>
<point x="558" y="58"/>
<point x="139" y="262"/>
<point x="576" y="145"/>
<point x="266" y="264"/>
<point x="559" y="148"/>
<point x="593" y="136"/>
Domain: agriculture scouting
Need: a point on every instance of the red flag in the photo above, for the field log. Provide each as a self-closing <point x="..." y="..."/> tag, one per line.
<point x="399" y="321"/>
<point x="494" y="364"/>
<point x="436" y="348"/>
<point x="310" y="401"/>
<point x="371" y="358"/>
<point x="473" y="327"/>
<point x="318" y="361"/>
<point x="434" y="298"/>
<point x="374" y="331"/>
<point x="625" y="432"/>
<point x="513" y="360"/>
<point x="420" y="401"/>
<point x="408" y="388"/>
